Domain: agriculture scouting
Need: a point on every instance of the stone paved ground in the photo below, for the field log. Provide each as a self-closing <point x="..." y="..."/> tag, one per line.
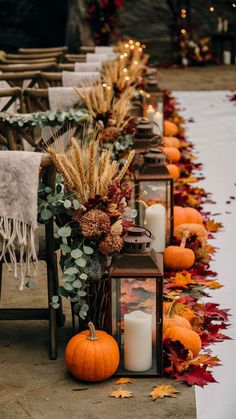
<point x="32" y="386"/>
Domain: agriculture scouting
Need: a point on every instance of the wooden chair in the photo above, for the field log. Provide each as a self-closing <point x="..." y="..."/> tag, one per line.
<point x="50" y="79"/>
<point x="63" y="49"/>
<point x="36" y="56"/>
<point x="48" y="255"/>
<point x="13" y="68"/>
<point x="66" y="67"/>
<point x="10" y="96"/>
<point x="75" y="58"/>
<point x="84" y="49"/>
<point x="19" y="79"/>
<point x="31" y="61"/>
<point x="36" y="100"/>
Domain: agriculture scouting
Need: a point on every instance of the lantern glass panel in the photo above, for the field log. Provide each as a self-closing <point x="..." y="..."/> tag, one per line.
<point x="157" y="192"/>
<point x="137" y="337"/>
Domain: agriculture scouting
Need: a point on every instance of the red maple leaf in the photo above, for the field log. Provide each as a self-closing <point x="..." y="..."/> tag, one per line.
<point x="197" y="375"/>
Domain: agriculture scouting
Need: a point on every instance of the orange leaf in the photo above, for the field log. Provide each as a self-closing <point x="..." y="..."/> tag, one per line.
<point x="188" y="180"/>
<point x="124" y="380"/>
<point x="212" y="284"/>
<point x="183" y="279"/>
<point x="213" y="226"/>
<point x="121" y="394"/>
<point x="161" y="391"/>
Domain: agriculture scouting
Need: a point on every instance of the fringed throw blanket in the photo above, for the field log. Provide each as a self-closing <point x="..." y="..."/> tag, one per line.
<point x="19" y="177"/>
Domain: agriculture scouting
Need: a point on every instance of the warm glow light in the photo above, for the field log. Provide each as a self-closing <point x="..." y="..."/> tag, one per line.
<point x="125" y="54"/>
<point x="137" y="44"/>
<point x="234" y="4"/>
<point x="212" y="9"/>
<point x="135" y="62"/>
<point x="143" y="46"/>
<point x="125" y="70"/>
<point x="104" y="84"/>
<point x="140" y="49"/>
<point x="131" y="41"/>
<point x="183" y="11"/>
<point x="183" y="31"/>
<point x="127" y="78"/>
<point x="126" y="45"/>
<point x="121" y="56"/>
<point x="131" y="46"/>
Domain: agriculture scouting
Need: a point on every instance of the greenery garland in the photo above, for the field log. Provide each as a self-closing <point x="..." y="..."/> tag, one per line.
<point x="45" y="119"/>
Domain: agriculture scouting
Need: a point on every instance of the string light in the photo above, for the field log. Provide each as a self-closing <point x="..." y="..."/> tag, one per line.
<point x="212" y="9"/>
<point x="126" y="45"/>
<point x="183" y="13"/>
<point x="183" y="31"/>
<point x="234" y="5"/>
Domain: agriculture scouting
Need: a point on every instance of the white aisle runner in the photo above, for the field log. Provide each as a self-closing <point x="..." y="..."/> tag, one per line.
<point x="214" y="134"/>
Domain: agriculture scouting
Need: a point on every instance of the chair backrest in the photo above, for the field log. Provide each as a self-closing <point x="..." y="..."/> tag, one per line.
<point x="50" y="79"/>
<point x="36" y="100"/>
<point x="42" y="50"/>
<point x="10" y="96"/>
<point x="47" y="55"/>
<point x="75" y="58"/>
<point x="84" y="49"/>
<point x="28" y="67"/>
<point x="21" y="79"/>
<point x="30" y="61"/>
<point x="66" y="67"/>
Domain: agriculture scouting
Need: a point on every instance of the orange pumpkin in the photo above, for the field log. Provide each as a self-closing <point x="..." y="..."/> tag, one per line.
<point x="187" y="337"/>
<point x="172" y="153"/>
<point x="171" y="142"/>
<point x="177" y="258"/>
<point x="92" y="355"/>
<point x="184" y="215"/>
<point x="170" y="129"/>
<point x="173" y="171"/>
<point x="184" y="231"/>
<point x="172" y="319"/>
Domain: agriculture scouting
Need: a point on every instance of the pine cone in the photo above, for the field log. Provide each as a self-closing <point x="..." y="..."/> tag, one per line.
<point x="94" y="223"/>
<point x="110" y="134"/>
<point x="110" y="244"/>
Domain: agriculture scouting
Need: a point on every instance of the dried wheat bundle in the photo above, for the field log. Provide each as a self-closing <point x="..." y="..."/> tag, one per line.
<point x="87" y="171"/>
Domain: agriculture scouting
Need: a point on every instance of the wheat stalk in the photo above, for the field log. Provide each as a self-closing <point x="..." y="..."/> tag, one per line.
<point x="126" y="166"/>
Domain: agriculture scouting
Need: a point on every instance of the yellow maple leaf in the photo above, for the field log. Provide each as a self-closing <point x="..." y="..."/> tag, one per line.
<point x="161" y="391"/>
<point x="213" y="226"/>
<point x="212" y="284"/>
<point x="192" y="202"/>
<point x="182" y="279"/>
<point x="199" y="360"/>
<point x="124" y="380"/>
<point x="121" y="394"/>
<point x="188" y="180"/>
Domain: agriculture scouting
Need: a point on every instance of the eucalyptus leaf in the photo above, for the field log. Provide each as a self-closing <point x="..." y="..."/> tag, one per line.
<point x="82" y="293"/>
<point x="55" y="305"/>
<point x="46" y="214"/>
<point x="84" y="307"/>
<point x="76" y="253"/>
<point x="88" y="250"/>
<point x="67" y="204"/>
<point x="55" y="299"/>
<point x="68" y="286"/>
<point x="69" y="278"/>
<point x="71" y="271"/>
<point x="30" y="284"/>
<point x="80" y="262"/>
<point x="76" y="204"/>
<point x="77" y="283"/>
<point x="64" y="231"/>
<point x="83" y="276"/>
<point x="62" y="292"/>
<point x="65" y="248"/>
<point x="48" y="189"/>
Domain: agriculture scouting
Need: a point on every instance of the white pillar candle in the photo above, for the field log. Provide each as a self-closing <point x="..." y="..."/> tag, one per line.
<point x="158" y="119"/>
<point x="137" y="341"/>
<point x="156" y="223"/>
<point x="227" y="57"/>
<point x="150" y="113"/>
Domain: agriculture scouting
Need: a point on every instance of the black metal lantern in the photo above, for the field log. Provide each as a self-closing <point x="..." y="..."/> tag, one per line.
<point x="144" y="137"/>
<point x="154" y="185"/>
<point x="136" y="280"/>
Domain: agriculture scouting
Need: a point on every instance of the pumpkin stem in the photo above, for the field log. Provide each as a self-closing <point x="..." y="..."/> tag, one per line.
<point x="184" y="238"/>
<point x="93" y="334"/>
<point x="170" y="311"/>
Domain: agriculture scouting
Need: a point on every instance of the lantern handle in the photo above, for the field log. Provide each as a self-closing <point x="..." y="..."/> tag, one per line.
<point x="147" y="231"/>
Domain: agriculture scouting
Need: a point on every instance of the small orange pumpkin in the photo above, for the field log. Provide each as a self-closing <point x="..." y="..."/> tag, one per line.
<point x="170" y="129"/>
<point x="177" y="258"/>
<point x="171" y="142"/>
<point x="187" y="337"/>
<point x="184" y="231"/>
<point x="184" y="215"/>
<point x="92" y="355"/>
<point x="172" y="153"/>
<point x="172" y="319"/>
<point x="173" y="171"/>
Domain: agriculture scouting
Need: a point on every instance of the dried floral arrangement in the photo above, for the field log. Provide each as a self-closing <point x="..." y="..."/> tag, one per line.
<point x="111" y="117"/>
<point x="90" y="211"/>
